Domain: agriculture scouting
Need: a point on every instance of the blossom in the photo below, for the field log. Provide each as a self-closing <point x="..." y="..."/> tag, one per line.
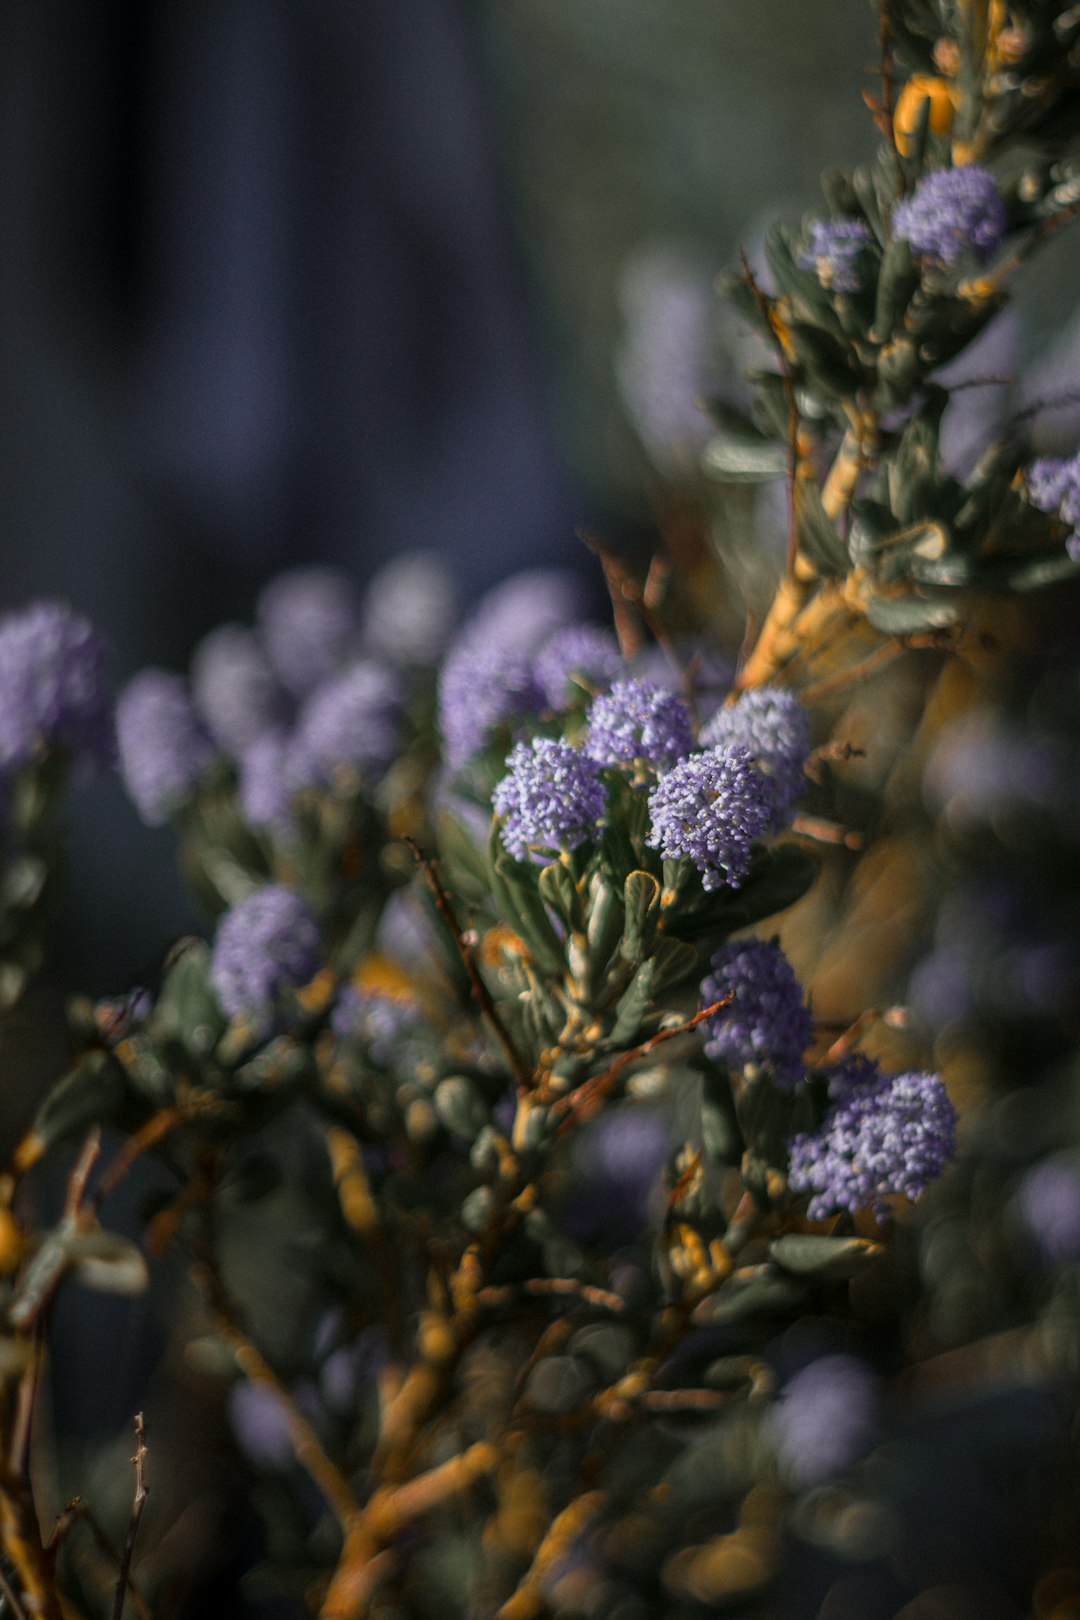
<point x="1049" y="1201"/>
<point x="639" y="721"/>
<point x="162" y="744"/>
<point x="265" y="943"/>
<point x="1054" y="486"/>
<point x="833" y="251"/>
<point x="267" y="782"/>
<point x="234" y="687"/>
<point x="766" y="1026"/>
<point x="552" y="797"/>
<point x="580" y="652"/>
<point x="52" y="684"/>
<point x="953" y="212"/>
<point x="352" y="720"/>
<point x="710" y="809"/>
<point x="482" y="684"/>
<point x="376" y="1019"/>
<point x="774" y="727"/>
<point x="307" y="621"/>
<point x="408" y="609"/>
<point x="522" y="611"/>
<point x="826" y="1418"/>
<point x="895" y="1133"/>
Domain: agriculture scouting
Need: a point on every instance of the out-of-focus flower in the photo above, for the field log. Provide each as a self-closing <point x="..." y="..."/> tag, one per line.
<point x="525" y="609"/>
<point x="825" y="1419"/>
<point x="774" y="728"/>
<point x="481" y="685"/>
<point x="767" y="1025"/>
<point x="352" y="721"/>
<point x="264" y="944"/>
<point x="379" y="1021"/>
<point x="308" y="624"/>
<point x="1049" y="1200"/>
<point x="834" y="250"/>
<point x="552" y="797"/>
<point x="267" y="782"/>
<point x="711" y="809"/>
<point x="952" y="213"/>
<point x="660" y="365"/>
<point x="893" y="1134"/>
<point x="162" y="745"/>
<point x="234" y="687"/>
<point x="981" y="767"/>
<point x="638" y="721"/>
<point x="408" y="609"/>
<point x="581" y="652"/>
<point x="1054" y="486"/>
<point x="52" y="685"/>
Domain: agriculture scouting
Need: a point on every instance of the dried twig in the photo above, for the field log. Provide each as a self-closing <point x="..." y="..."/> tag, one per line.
<point x="137" y="1505"/>
<point x="583" y="1103"/>
<point x="482" y="994"/>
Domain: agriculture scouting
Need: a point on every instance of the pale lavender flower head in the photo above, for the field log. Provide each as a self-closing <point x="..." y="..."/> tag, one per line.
<point x="952" y="213"/>
<point x="774" y="727"/>
<point x="834" y="249"/>
<point x="268" y="782"/>
<point x="408" y="609"/>
<point x="264" y="944"/>
<point x="522" y="611"/>
<point x="825" y="1419"/>
<point x="234" y="687"/>
<point x="52" y="685"/>
<point x="1050" y="1204"/>
<point x="307" y="621"/>
<point x="1054" y="486"/>
<point x="711" y="809"/>
<point x="893" y="1134"/>
<point x="481" y="685"/>
<point x="767" y="1025"/>
<point x="661" y="365"/>
<point x="582" y="653"/>
<point x="162" y="744"/>
<point x="379" y="1021"/>
<point x="352" y="721"/>
<point x="552" y="798"/>
<point x="639" y="721"/>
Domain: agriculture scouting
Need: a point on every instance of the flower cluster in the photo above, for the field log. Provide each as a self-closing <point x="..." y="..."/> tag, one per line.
<point x="1054" y="486"/>
<point x="378" y="1020"/>
<point x="766" y="1025"/>
<point x="774" y="727"/>
<point x="552" y="797"/>
<point x="234" y="688"/>
<point x="953" y="213"/>
<point x="826" y="1418"/>
<point x="711" y="809"/>
<point x="162" y="743"/>
<point x="580" y="653"/>
<point x="834" y="251"/>
<point x="891" y="1134"/>
<point x="637" y="721"/>
<point x="351" y="721"/>
<point x="308" y="624"/>
<point x="53" y="687"/>
<point x="264" y="944"/>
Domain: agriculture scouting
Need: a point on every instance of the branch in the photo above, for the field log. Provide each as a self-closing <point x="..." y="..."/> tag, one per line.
<point x="479" y="989"/>
<point x="138" y="1503"/>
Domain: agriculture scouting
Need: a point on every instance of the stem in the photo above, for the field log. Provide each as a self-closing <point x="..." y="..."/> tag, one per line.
<point x="138" y="1503"/>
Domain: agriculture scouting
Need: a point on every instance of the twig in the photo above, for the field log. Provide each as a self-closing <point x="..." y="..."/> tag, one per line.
<point x="137" y="1505"/>
<point x="522" y="1074"/>
<point x="823" y="831"/>
<point x="141" y="1141"/>
<point x="624" y="590"/>
<point x="570" y="1525"/>
<point x="582" y="1104"/>
<point x="76" y="1512"/>
<point x="10" y="1599"/>
<point x="80" y="1174"/>
<point x="541" y="1288"/>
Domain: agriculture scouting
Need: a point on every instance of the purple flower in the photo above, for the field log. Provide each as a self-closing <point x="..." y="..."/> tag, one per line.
<point x="826" y="1418"/>
<point x="710" y="810"/>
<point x="1054" y="486"/>
<point x="307" y="620"/>
<point x="263" y="944"/>
<point x="1050" y="1204"/>
<point x="408" y="609"/>
<point x="352" y="721"/>
<point x="161" y="741"/>
<point x="52" y="684"/>
<point x="833" y="251"/>
<point x="525" y="609"/>
<point x="661" y="366"/>
<point x="267" y="782"/>
<point x="379" y="1021"/>
<point x="480" y="686"/>
<point x="953" y="212"/>
<point x="552" y="797"/>
<point x="893" y="1134"/>
<point x="581" y="653"/>
<point x="234" y="687"/>
<point x="774" y="728"/>
<point x="766" y="1026"/>
<point x="639" y="721"/>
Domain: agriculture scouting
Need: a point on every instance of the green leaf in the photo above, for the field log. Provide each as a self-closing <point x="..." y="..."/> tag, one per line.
<point x="738" y="461"/>
<point x="818" y="534"/>
<point x="641" y="896"/>
<point x="463" y="863"/>
<point x="805" y="1254"/>
<point x="560" y="892"/>
<point x="559" y="1384"/>
<point x="107" y="1262"/>
<point x="187" y="1009"/>
<point x="897" y="281"/>
<point x="518" y="899"/>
